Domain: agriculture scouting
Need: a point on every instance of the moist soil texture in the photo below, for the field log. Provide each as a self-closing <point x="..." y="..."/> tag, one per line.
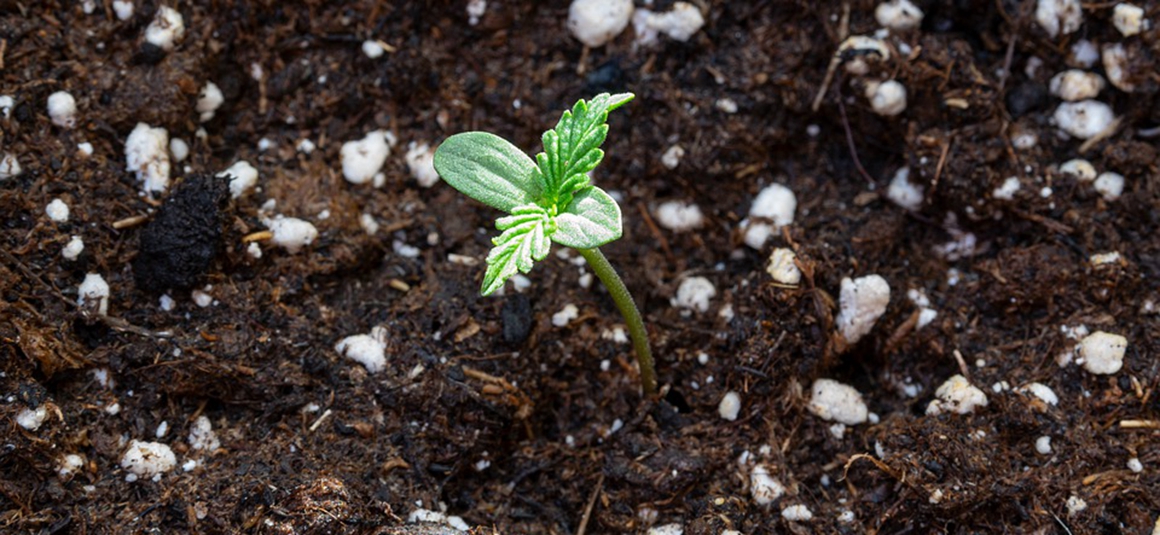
<point x="501" y="414"/>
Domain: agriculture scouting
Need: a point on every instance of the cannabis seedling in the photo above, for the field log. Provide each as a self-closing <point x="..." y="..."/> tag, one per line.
<point x="551" y="199"/>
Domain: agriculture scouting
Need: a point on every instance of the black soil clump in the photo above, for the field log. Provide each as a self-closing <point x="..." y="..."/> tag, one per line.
<point x="178" y="245"/>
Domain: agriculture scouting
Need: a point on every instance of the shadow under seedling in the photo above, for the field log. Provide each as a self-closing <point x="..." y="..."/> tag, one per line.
<point x="551" y="199"/>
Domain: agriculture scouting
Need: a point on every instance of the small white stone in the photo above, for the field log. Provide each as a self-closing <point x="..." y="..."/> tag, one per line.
<point x="679" y="216"/>
<point x="1105" y="259"/>
<point x="846" y="517"/>
<point x="672" y="157"/>
<point x="565" y="315"/>
<point x="797" y="513"/>
<point x="1135" y="465"/>
<point x="680" y="24"/>
<point x="898" y="15"/>
<point x="373" y="49"/>
<point x="94" y="289"/>
<point x="166" y="29"/>
<point x="9" y="166"/>
<point x="837" y="402"/>
<point x="887" y="98"/>
<point x="32" y="419"/>
<point x="694" y="293"/>
<point x="475" y="11"/>
<point x="1083" y="170"/>
<point x="208" y="101"/>
<point x="1007" y="190"/>
<point x="1043" y="445"/>
<point x="73" y="248"/>
<point x="69" y="465"/>
<point x="726" y="105"/>
<point x="667" y="529"/>
<point x="243" y="178"/>
<point x="1056" y="16"/>
<point x="202" y="436"/>
<point x="420" y="160"/>
<point x="201" y="298"/>
<point x="62" y="109"/>
<point x="305" y="146"/>
<point x="596" y="22"/>
<point x="1129" y="19"/>
<point x="57" y="211"/>
<point x="368" y="224"/>
<point x="957" y="395"/>
<point x="291" y="233"/>
<point x="254" y="250"/>
<point x="1084" y="54"/>
<point x="730" y="406"/>
<point x="1103" y="353"/>
<point x="1084" y="119"/>
<point x="703" y="358"/>
<point x="862" y="302"/>
<point x="1109" y="185"/>
<point x="1074" y="85"/>
<point x="772" y="209"/>
<point x="179" y="149"/>
<point x="166" y="303"/>
<point x="1115" y="60"/>
<point x="782" y="268"/>
<point x="1043" y="392"/>
<point x="366" y="349"/>
<point x="162" y="429"/>
<point x="6" y="105"/>
<point x="763" y="487"/>
<point x="86" y="149"/>
<point x="904" y="193"/>
<point x="123" y="9"/>
<point x="864" y="47"/>
<point x="362" y="159"/>
<point x="148" y="459"/>
<point x="147" y="155"/>
<point x="1075" y="505"/>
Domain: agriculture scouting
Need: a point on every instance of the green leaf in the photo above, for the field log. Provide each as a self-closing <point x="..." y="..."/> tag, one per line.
<point x="592" y="219"/>
<point x="489" y="169"/>
<point x="572" y="148"/>
<point x="526" y="239"/>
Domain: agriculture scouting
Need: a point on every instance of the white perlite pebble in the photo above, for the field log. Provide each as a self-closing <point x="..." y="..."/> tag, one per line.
<point x="475" y="11"/>
<point x="148" y="459"/>
<point x="73" y="248"/>
<point x="835" y="402"/>
<point x="667" y="529"/>
<point x="1083" y="54"/>
<point x="243" y="178"/>
<point x="797" y="513"/>
<point x="57" y="211"/>
<point x="1075" y="505"/>
<point x="1135" y="465"/>
<point x="166" y="29"/>
<point x="421" y="516"/>
<point x="362" y="159"/>
<point x="565" y="315"/>
<point x="730" y="406"/>
<point x="679" y="216"/>
<point x="886" y="98"/>
<point x="694" y="293"/>
<point x="147" y="155"/>
<point x="1129" y="19"/>
<point x="681" y="23"/>
<point x="372" y="49"/>
<point x="1084" y="119"/>
<point x="291" y="233"/>
<point x="94" y="289"/>
<point x="208" y="101"/>
<point x="6" y="105"/>
<point x="898" y="15"/>
<point x="772" y="209"/>
<point x="1074" y="85"/>
<point x="202" y="437"/>
<point x="1043" y="392"/>
<point x="862" y="302"/>
<point x="9" y="166"/>
<point x="420" y="160"/>
<point x="1115" y="60"/>
<point x="1056" y="16"/>
<point x="1043" y="445"/>
<point x="904" y="193"/>
<point x="957" y="395"/>
<point x="123" y="9"/>
<point x="596" y="22"/>
<point x="1103" y="353"/>
<point x="1080" y="169"/>
<point x="1109" y="185"/>
<point x="763" y="487"/>
<point x="782" y="268"/>
<point x="366" y="349"/>
<point x="672" y="157"/>
<point x="69" y="465"/>
<point x="1007" y="190"/>
<point x="179" y="149"/>
<point x="62" y="109"/>
<point x="1105" y="259"/>
<point x="32" y="419"/>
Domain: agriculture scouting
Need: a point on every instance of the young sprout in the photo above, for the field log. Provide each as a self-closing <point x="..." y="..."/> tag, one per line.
<point x="550" y="199"/>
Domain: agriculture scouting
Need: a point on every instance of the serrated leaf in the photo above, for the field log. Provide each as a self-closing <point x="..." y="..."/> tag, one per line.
<point x="592" y="219"/>
<point x="489" y="169"/>
<point x="573" y="146"/>
<point x="526" y="239"/>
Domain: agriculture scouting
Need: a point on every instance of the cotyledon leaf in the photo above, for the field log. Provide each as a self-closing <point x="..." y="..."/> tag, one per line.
<point x="489" y="169"/>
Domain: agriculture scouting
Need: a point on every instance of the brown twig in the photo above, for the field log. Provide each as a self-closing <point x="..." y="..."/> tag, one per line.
<point x="850" y="142"/>
<point x="591" y="503"/>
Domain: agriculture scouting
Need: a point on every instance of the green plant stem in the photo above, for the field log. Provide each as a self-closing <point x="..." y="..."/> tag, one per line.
<point x="623" y="300"/>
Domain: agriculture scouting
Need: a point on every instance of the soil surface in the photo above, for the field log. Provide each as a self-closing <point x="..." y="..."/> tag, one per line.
<point x="487" y="410"/>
